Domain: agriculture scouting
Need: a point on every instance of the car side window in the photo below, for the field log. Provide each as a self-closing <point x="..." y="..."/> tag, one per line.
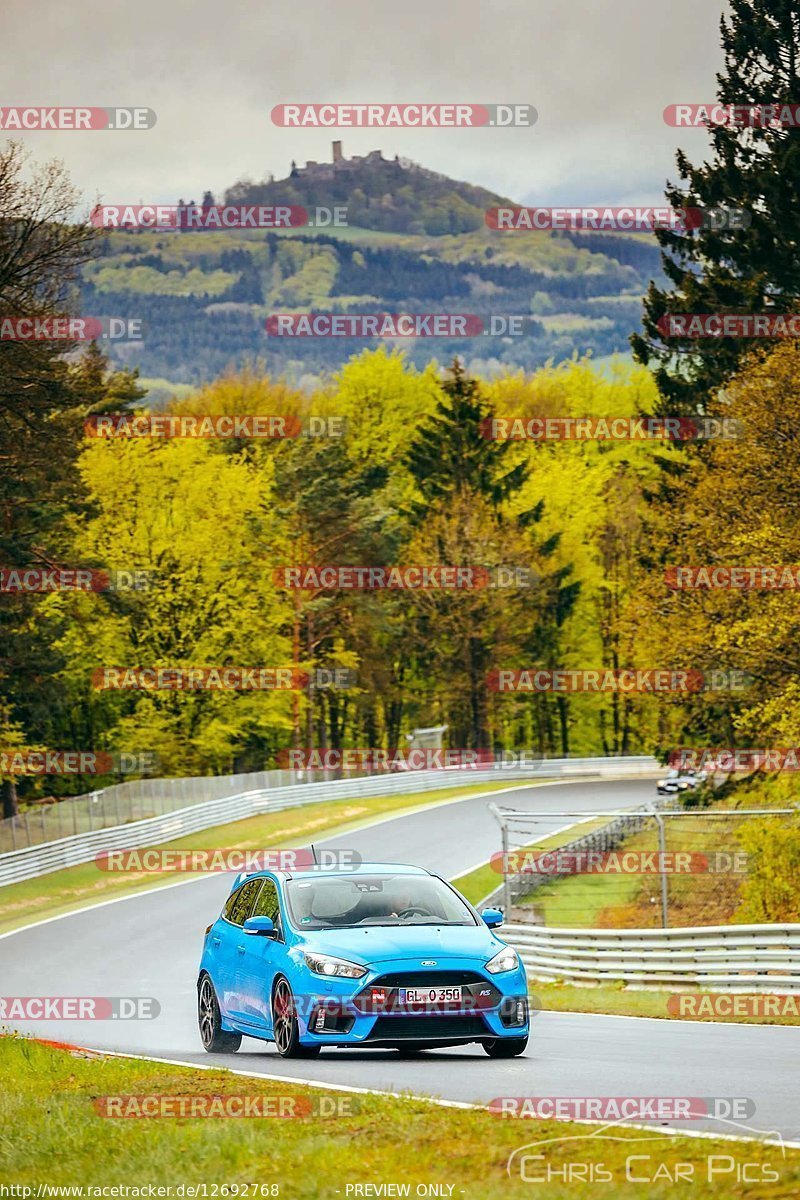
<point x="229" y="903"/>
<point x="237" y="910"/>
<point x="267" y="904"/>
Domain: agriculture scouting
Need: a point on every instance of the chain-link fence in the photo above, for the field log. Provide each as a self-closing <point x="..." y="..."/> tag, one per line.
<point x="139" y="799"/>
<point x="653" y="867"/>
<point x="134" y="800"/>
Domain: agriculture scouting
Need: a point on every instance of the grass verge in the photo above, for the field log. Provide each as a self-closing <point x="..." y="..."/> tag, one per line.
<point x="618" y="1000"/>
<point x="53" y="1134"/>
<point x="78" y="887"/>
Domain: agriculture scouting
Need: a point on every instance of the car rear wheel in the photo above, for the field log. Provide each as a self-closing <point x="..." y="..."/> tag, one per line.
<point x="285" y="1028"/>
<point x="505" y="1047"/>
<point x="214" y="1038"/>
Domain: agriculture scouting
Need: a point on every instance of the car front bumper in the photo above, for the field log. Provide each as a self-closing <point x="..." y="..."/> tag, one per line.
<point x="370" y="1011"/>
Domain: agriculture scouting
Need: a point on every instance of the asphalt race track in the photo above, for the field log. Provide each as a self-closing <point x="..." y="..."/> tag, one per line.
<point x="149" y="945"/>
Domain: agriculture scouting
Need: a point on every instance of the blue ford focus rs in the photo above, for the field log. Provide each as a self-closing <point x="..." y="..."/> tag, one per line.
<point x="377" y="955"/>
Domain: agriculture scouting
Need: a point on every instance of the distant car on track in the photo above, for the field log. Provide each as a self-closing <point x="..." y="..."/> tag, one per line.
<point x="379" y="955"/>
<point x="679" y="781"/>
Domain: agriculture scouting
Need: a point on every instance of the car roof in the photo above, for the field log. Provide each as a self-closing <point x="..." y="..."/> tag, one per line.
<point x="364" y="868"/>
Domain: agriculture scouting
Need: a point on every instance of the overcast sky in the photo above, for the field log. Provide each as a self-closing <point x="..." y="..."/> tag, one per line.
<point x="599" y="72"/>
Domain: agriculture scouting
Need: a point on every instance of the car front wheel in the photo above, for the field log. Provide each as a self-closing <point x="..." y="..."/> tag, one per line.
<point x="214" y="1038"/>
<point x="285" y="1028"/>
<point x="505" y="1047"/>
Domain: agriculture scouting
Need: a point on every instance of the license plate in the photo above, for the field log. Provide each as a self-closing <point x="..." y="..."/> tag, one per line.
<point x="430" y="995"/>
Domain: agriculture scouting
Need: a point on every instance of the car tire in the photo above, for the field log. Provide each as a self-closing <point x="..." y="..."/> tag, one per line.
<point x="505" y="1047"/>
<point x="285" y="1028"/>
<point x="215" y="1039"/>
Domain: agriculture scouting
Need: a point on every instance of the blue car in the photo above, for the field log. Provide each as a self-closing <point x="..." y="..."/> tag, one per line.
<point x="376" y="955"/>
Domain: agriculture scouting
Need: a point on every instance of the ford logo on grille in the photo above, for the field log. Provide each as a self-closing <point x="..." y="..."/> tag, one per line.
<point x="428" y="962"/>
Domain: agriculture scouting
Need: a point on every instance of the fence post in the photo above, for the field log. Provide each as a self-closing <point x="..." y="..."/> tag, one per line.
<point x="506" y="877"/>
<point x="662" y="852"/>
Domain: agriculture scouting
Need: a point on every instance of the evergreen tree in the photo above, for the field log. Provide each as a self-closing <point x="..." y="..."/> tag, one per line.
<point x="451" y="453"/>
<point x="41" y="252"/>
<point x="755" y="168"/>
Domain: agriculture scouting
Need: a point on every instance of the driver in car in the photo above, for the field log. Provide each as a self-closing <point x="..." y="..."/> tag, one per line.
<point x="402" y="902"/>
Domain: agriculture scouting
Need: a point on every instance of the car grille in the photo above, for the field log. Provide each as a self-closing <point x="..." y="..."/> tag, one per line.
<point x="477" y="992"/>
<point x="428" y="979"/>
<point x="425" y="1028"/>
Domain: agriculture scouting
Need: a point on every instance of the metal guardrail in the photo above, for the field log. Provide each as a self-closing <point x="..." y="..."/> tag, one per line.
<point x="763" y="958"/>
<point x="132" y="800"/>
<point x="32" y="861"/>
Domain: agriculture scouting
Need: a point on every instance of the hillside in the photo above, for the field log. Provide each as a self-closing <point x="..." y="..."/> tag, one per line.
<point x="415" y="242"/>
<point x="391" y="195"/>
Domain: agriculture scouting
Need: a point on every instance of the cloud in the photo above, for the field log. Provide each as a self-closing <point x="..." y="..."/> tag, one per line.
<point x="599" y="72"/>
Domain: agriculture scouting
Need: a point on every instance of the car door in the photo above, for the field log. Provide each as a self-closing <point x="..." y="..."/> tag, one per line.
<point x="260" y="960"/>
<point x="220" y="951"/>
<point x="229" y="931"/>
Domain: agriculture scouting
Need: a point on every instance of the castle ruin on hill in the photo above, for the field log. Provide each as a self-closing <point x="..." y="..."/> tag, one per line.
<point x="316" y="170"/>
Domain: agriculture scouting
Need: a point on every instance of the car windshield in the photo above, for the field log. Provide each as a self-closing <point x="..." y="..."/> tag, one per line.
<point x="342" y="902"/>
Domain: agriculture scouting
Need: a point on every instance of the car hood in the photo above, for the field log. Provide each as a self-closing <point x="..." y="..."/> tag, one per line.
<point x="379" y="943"/>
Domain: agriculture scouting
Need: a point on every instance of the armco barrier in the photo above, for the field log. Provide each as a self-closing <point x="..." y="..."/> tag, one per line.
<point x="33" y="861"/>
<point x="762" y="958"/>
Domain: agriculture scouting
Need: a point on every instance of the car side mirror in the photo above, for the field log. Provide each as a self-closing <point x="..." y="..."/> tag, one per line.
<point x="492" y="917"/>
<point x="261" y="927"/>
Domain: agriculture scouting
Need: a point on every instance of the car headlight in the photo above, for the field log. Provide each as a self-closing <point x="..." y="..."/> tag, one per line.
<point x="506" y="959"/>
<point x="326" y="964"/>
